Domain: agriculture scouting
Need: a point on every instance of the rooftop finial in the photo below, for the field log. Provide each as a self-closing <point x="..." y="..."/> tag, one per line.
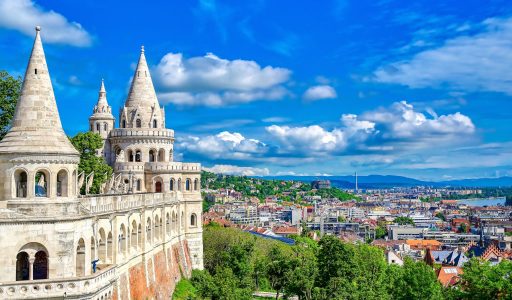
<point x="142" y="49"/>
<point x="38" y="28"/>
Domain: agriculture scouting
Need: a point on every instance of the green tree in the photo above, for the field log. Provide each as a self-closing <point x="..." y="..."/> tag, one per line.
<point x="10" y="89"/>
<point x="87" y="143"/>
<point x="278" y="269"/>
<point x="303" y="270"/>
<point x="415" y="280"/>
<point x="404" y="221"/>
<point x="483" y="281"/>
<point x="380" y="232"/>
<point x="441" y="216"/>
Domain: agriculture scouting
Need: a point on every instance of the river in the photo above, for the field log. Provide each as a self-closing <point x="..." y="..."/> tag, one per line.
<point x="483" y="201"/>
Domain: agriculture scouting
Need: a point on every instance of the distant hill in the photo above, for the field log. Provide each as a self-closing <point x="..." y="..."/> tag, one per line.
<point x="387" y="181"/>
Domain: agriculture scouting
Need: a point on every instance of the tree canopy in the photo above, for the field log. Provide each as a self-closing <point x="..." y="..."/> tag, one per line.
<point x="10" y="89"/>
<point x="87" y="143"/>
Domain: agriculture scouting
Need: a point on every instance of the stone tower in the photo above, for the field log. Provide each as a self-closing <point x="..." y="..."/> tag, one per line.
<point x="38" y="164"/>
<point x="102" y="121"/>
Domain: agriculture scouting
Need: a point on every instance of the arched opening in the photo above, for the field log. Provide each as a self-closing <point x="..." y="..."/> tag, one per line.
<point x="155" y="123"/>
<point x="187" y="184"/>
<point x="158" y="187"/>
<point x="138" y="156"/>
<point x="170" y="155"/>
<point x="102" y="246"/>
<point x="151" y="155"/>
<point x="161" y="155"/>
<point x="20" y="183"/>
<point x="122" y="239"/>
<point x="174" y="221"/>
<point x="133" y="238"/>
<point x="123" y="124"/>
<point x="139" y="185"/>
<point x="139" y="235"/>
<point x="167" y="224"/>
<point x="157" y="228"/>
<point x="193" y="220"/>
<point x="97" y="126"/>
<point x="62" y="183"/>
<point x="130" y="155"/>
<point x="179" y="184"/>
<point x="80" y="258"/>
<point x="40" y="265"/>
<point x="22" y="266"/>
<point x="41" y="187"/>
<point x="138" y="123"/>
<point x="110" y="249"/>
<point x="93" y="249"/>
<point x="105" y="127"/>
<point x="92" y="127"/>
<point x="148" y="231"/>
<point x="196" y="184"/>
<point x="182" y="220"/>
<point x="171" y="185"/>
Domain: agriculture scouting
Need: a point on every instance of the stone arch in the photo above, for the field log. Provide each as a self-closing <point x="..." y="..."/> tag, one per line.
<point x="161" y="155"/>
<point x="152" y="155"/>
<point x="42" y="182"/>
<point x="158" y="228"/>
<point x="123" y="124"/>
<point x="138" y="155"/>
<point x="40" y="267"/>
<point x="138" y="123"/>
<point x="139" y="185"/>
<point x="129" y="155"/>
<point x="157" y="185"/>
<point x="20" y="183"/>
<point x="122" y="239"/>
<point x="149" y="231"/>
<point x="139" y="235"/>
<point x="80" y="258"/>
<point x="74" y="183"/>
<point x="170" y="155"/>
<point x="134" y="236"/>
<point x="172" y="185"/>
<point x="98" y="126"/>
<point x="193" y="220"/>
<point x="187" y="184"/>
<point x="93" y="248"/>
<point x="109" y="248"/>
<point x="196" y="184"/>
<point x="22" y="266"/>
<point x="155" y="123"/>
<point x="102" y="246"/>
<point x="174" y="221"/>
<point x="168" y="224"/>
<point x="179" y="184"/>
<point x="105" y="127"/>
<point x="62" y="183"/>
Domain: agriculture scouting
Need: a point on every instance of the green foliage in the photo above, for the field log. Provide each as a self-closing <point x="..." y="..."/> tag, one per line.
<point x="483" y="281"/>
<point x="87" y="143"/>
<point x="184" y="290"/>
<point x="508" y="200"/>
<point x="10" y="89"/>
<point x="404" y="221"/>
<point x="415" y="280"/>
<point x="380" y="232"/>
<point x="441" y="216"/>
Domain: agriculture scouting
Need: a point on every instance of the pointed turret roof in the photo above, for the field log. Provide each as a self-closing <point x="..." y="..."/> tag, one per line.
<point x="102" y="109"/>
<point x="142" y="92"/>
<point x="36" y="126"/>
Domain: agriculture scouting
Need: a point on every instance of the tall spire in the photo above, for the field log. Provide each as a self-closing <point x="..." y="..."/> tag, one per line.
<point x="36" y="126"/>
<point x="102" y="97"/>
<point x="142" y="92"/>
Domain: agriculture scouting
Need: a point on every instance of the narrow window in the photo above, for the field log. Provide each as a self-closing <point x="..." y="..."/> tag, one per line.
<point x="35" y="71"/>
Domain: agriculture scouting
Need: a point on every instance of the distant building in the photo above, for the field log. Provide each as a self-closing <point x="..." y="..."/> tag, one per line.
<point x="320" y="184"/>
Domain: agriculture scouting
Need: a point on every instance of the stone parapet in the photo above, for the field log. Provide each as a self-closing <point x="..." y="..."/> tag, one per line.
<point x="173" y="167"/>
<point x="143" y="133"/>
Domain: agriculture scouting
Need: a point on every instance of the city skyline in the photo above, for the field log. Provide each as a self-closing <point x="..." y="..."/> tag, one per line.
<point x="382" y="88"/>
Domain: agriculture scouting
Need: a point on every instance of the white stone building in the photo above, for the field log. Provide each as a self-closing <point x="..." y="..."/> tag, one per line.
<point x="56" y="243"/>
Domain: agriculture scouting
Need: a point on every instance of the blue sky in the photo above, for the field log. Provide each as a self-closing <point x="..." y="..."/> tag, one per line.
<point x="415" y="88"/>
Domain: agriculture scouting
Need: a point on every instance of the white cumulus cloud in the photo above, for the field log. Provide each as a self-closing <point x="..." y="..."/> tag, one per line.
<point x="213" y="81"/>
<point x="319" y="92"/>
<point x="236" y="170"/>
<point x="24" y="15"/>
<point x="479" y="62"/>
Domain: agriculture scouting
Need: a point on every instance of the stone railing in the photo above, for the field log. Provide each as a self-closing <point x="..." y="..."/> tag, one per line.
<point x="173" y="166"/>
<point x="101" y="204"/>
<point x="98" y="284"/>
<point x="129" y="166"/>
<point x="129" y="132"/>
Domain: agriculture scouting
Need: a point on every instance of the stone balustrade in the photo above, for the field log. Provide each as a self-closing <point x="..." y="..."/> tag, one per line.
<point x="100" y="204"/>
<point x="173" y="167"/>
<point x="129" y="166"/>
<point x="92" y="287"/>
<point x="143" y="133"/>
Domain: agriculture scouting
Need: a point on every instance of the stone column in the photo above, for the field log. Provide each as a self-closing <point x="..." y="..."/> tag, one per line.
<point x="31" y="268"/>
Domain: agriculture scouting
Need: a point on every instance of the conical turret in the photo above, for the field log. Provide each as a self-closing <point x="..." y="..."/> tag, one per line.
<point x="142" y="92"/>
<point x="102" y="121"/>
<point x="36" y="126"/>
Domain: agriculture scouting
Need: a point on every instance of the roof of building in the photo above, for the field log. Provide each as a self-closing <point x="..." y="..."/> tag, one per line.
<point x="36" y="126"/>
<point x="449" y="275"/>
<point x="102" y="109"/>
<point x="142" y="93"/>
<point x="423" y="243"/>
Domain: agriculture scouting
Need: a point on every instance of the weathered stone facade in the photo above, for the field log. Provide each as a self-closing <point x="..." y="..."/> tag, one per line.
<point x="141" y="241"/>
